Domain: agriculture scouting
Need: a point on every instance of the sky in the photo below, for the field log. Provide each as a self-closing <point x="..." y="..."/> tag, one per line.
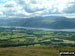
<point x="31" y="8"/>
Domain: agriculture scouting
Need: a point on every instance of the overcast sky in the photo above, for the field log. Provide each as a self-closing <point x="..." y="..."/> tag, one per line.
<point x="31" y="8"/>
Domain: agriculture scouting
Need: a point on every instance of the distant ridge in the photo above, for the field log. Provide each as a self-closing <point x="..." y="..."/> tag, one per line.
<point x="52" y="22"/>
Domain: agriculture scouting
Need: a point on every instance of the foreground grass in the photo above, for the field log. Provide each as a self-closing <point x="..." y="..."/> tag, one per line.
<point x="33" y="51"/>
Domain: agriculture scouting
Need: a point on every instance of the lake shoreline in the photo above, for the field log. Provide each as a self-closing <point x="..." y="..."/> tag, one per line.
<point x="33" y="28"/>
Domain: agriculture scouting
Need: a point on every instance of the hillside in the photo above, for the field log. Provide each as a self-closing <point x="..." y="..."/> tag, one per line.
<point x="33" y="51"/>
<point x="53" y="22"/>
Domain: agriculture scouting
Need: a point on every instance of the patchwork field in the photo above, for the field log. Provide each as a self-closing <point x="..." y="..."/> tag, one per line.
<point x="23" y="42"/>
<point x="22" y="37"/>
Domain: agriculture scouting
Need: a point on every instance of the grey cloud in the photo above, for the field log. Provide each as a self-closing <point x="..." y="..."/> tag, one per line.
<point x="30" y="5"/>
<point x="34" y="9"/>
<point x="70" y="9"/>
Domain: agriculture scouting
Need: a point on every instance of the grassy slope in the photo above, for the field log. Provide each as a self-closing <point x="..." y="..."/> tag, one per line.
<point x="32" y="51"/>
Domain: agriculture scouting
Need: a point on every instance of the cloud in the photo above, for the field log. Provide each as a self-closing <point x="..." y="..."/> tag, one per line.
<point x="47" y="6"/>
<point x="10" y="4"/>
<point x="14" y="9"/>
<point x="72" y="15"/>
<point x="70" y="9"/>
<point x="29" y="8"/>
<point x="1" y="13"/>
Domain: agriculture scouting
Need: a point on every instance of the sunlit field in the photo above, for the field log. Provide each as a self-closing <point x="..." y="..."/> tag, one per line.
<point x="25" y="37"/>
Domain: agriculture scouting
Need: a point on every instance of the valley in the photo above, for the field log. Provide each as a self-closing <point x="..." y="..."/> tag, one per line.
<point x="10" y="37"/>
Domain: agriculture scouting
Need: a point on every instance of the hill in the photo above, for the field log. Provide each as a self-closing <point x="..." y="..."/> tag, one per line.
<point x="33" y="51"/>
<point x="53" y="22"/>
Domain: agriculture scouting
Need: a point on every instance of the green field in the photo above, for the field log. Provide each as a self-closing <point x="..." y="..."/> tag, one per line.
<point x="22" y="37"/>
<point x="23" y="42"/>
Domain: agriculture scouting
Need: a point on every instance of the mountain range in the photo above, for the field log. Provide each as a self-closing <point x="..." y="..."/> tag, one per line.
<point x="52" y="22"/>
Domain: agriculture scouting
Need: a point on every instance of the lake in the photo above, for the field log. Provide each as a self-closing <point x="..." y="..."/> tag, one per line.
<point x="45" y="29"/>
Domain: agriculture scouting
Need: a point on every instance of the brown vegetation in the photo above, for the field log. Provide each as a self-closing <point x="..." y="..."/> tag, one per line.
<point x="33" y="51"/>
